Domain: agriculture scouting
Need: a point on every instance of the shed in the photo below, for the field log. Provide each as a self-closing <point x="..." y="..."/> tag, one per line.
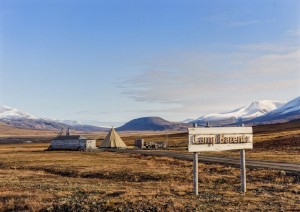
<point x="139" y="143"/>
<point x="72" y="142"/>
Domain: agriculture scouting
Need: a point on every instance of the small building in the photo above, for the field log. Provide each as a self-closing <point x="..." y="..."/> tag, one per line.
<point x="72" y="142"/>
<point x="139" y="143"/>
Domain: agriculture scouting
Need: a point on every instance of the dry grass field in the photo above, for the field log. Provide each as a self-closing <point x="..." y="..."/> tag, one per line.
<point x="32" y="179"/>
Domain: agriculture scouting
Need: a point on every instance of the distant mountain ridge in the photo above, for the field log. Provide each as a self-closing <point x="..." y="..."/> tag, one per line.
<point x="188" y="120"/>
<point x="240" y="115"/>
<point x="16" y="118"/>
<point x="258" y="112"/>
<point x="152" y="124"/>
<point x="12" y="113"/>
<point x="289" y="111"/>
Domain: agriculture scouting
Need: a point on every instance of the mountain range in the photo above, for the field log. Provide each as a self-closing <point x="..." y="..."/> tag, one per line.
<point x="287" y="112"/>
<point x="240" y="115"/>
<point x="258" y="112"/>
<point x="16" y="118"/>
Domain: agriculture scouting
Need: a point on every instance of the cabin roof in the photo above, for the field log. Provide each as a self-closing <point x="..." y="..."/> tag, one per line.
<point x="70" y="137"/>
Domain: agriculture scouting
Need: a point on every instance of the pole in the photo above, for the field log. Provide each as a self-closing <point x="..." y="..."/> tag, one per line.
<point x="196" y="173"/>
<point x="243" y="171"/>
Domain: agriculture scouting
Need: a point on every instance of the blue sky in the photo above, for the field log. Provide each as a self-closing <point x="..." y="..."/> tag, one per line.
<point x="115" y="60"/>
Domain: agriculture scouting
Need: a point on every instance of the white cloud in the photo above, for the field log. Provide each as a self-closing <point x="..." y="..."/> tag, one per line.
<point x="229" y="21"/>
<point x="277" y="64"/>
<point x="242" y="23"/>
<point x="267" y="48"/>
<point x="293" y="32"/>
<point x="200" y="83"/>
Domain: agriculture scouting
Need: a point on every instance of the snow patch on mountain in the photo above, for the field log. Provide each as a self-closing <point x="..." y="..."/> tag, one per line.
<point x="291" y="106"/>
<point x="253" y="110"/>
<point x="16" y="118"/>
<point x="289" y="111"/>
<point x="12" y="113"/>
<point x="69" y="122"/>
<point x="188" y="120"/>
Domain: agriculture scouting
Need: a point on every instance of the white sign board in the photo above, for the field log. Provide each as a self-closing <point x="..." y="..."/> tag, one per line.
<point x="220" y="138"/>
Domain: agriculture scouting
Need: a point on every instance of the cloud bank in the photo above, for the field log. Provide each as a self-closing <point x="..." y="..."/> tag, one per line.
<point x="201" y="82"/>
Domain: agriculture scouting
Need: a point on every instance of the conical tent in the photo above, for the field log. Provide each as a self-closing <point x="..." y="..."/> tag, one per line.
<point x="113" y="140"/>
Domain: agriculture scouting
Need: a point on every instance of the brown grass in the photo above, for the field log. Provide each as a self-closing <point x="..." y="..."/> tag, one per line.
<point x="32" y="179"/>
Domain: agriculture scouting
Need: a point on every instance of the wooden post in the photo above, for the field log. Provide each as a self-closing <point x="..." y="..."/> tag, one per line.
<point x="243" y="171"/>
<point x="196" y="173"/>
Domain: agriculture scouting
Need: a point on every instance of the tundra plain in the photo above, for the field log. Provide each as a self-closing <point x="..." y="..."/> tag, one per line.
<point x="32" y="179"/>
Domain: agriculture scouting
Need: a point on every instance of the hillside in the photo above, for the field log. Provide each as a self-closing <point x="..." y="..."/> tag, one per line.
<point x="152" y="124"/>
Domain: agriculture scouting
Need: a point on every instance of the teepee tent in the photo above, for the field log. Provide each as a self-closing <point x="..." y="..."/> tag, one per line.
<point x="113" y="140"/>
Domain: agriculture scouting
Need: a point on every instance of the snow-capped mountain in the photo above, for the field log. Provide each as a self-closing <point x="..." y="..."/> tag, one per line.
<point x="17" y="118"/>
<point x="188" y="120"/>
<point x="12" y="113"/>
<point x="287" y="112"/>
<point x="69" y="122"/>
<point x="259" y="112"/>
<point x="239" y="116"/>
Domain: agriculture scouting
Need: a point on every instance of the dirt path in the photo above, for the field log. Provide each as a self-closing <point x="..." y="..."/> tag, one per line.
<point x="223" y="160"/>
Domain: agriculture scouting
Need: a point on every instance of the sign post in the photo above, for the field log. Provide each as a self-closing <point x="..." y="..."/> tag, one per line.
<point x="243" y="171"/>
<point x="219" y="139"/>
<point x="196" y="173"/>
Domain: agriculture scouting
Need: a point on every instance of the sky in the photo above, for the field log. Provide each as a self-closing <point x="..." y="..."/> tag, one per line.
<point x="116" y="60"/>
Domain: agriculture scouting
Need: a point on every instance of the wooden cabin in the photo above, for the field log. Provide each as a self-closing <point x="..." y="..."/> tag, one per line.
<point x="72" y="142"/>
